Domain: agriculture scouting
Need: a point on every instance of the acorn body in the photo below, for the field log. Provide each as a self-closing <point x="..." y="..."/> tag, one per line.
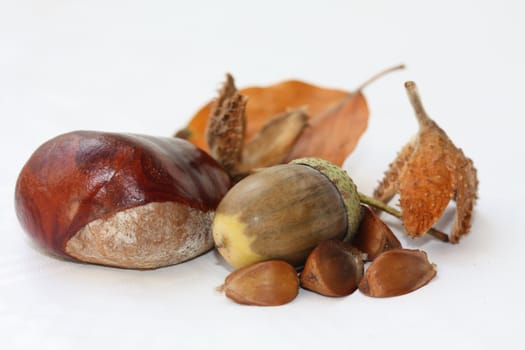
<point x="124" y="200"/>
<point x="281" y="212"/>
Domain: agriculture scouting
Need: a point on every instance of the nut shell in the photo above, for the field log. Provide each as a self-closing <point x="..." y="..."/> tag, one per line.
<point x="83" y="176"/>
<point x="346" y="187"/>
<point x="397" y="272"/>
<point x="281" y="212"/>
<point x="373" y="236"/>
<point x="333" y="268"/>
<point x="267" y="283"/>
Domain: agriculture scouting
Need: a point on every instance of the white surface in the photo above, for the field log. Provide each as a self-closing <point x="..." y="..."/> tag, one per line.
<point x="146" y="66"/>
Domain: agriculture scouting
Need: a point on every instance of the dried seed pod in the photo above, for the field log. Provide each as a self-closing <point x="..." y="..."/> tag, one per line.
<point x="267" y="283"/>
<point x="428" y="172"/>
<point x="373" y="236"/>
<point x="227" y="126"/>
<point x="333" y="268"/>
<point x="397" y="272"/>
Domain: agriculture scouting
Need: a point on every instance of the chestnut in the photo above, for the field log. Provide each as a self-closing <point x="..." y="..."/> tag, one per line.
<point x="125" y="200"/>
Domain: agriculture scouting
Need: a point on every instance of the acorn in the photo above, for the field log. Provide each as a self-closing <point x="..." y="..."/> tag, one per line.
<point x="125" y="200"/>
<point x="283" y="212"/>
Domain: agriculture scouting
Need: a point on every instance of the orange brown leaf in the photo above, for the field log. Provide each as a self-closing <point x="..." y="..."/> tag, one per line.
<point x="334" y="134"/>
<point x="267" y="102"/>
<point x="336" y="118"/>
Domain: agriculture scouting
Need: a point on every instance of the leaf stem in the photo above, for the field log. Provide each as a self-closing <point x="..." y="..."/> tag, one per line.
<point x="394" y="212"/>
<point x="379" y="75"/>
<point x="379" y="205"/>
<point x="415" y="101"/>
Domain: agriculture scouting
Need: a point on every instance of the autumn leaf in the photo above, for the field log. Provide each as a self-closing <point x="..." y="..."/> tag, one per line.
<point x="334" y="135"/>
<point x="336" y="118"/>
<point x="427" y="173"/>
<point x="266" y="103"/>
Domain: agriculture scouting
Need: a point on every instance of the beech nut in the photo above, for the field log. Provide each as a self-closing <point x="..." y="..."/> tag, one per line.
<point x="123" y="200"/>
<point x="397" y="272"/>
<point x="333" y="268"/>
<point x="283" y="212"/>
<point x="373" y="236"/>
<point x="267" y="283"/>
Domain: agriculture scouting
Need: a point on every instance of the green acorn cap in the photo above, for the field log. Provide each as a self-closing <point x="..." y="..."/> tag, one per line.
<point x="344" y="185"/>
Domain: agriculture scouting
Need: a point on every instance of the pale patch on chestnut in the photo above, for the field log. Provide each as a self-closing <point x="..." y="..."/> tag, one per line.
<point x="145" y="237"/>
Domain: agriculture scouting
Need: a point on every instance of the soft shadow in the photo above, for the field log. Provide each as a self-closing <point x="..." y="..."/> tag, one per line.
<point x="219" y="260"/>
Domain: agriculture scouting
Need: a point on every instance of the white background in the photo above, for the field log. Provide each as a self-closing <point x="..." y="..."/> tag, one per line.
<point x="146" y="66"/>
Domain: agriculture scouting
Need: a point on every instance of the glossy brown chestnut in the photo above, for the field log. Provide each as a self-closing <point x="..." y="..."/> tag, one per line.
<point x="123" y="200"/>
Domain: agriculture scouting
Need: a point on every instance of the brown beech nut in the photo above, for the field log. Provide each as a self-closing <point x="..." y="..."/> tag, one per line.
<point x="373" y="236"/>
<point x="397" y="272"/>
<point x="267" y="283"/>
<point x="333" y="268"/>
<point x="124" y="200"/>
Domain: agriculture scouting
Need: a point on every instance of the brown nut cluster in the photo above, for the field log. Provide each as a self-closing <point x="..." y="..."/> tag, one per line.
<point x="256" y="230"/>
<point x="335" y="269"/>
